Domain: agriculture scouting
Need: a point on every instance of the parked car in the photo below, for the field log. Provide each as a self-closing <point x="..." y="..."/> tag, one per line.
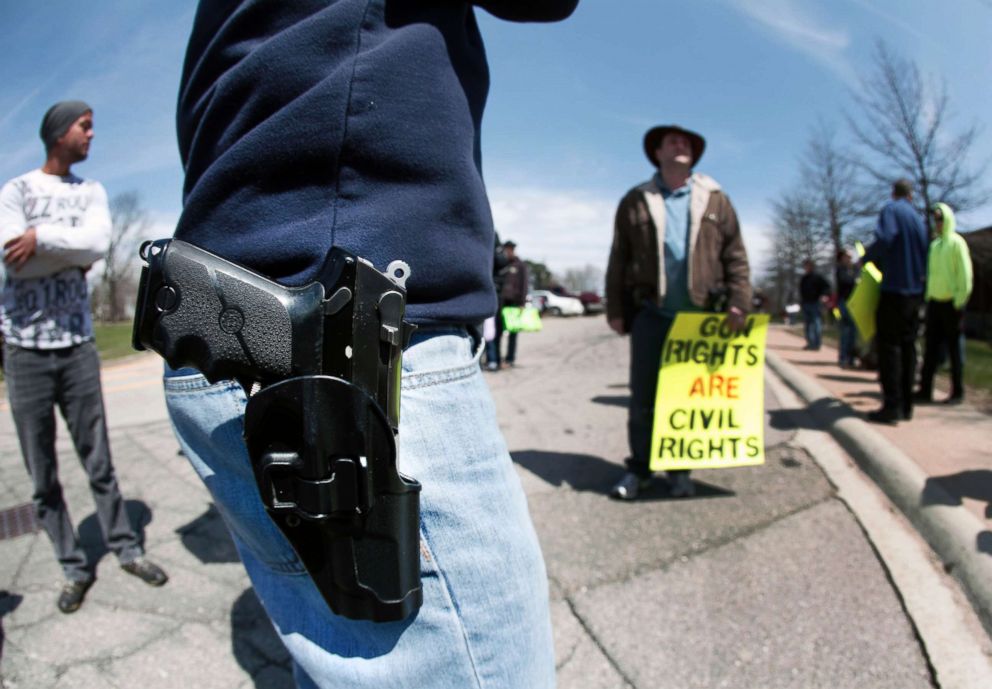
<point x="556" y="305"/>
<point x="592" y="302"/>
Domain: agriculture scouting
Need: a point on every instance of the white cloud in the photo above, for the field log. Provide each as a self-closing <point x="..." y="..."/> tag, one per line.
<point x="160" y="225"/>
<point x="573" y="228"/>
<point x="562" y="229"/>
<point x="795" y="23"/>
<point x="757" y="241"/>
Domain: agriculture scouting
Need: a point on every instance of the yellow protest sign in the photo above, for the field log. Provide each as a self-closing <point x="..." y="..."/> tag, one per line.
<point x="709" y="410"/>
<point x="863" y="302"/>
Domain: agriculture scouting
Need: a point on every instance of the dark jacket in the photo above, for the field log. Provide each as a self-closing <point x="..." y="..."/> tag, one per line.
<point x="900" y="249"/>
<point x="355" y="123"/>
<point x="513" y="279"/>
<point x="812" y="286"/>
<point x="716" y="255"/>
<point x="845" y="278"/>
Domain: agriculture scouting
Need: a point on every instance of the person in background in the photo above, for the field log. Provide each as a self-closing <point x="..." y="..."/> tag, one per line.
<point x="512" y="282"/>
<point x="949" y="283"/>
<point x="676" y="245"/>
<point x="489" y="327"/>
<point x="53" y="226"/>
<point x="813" y="292"/>
<point x="844" y="277"/>
<point x="900" y="252"/>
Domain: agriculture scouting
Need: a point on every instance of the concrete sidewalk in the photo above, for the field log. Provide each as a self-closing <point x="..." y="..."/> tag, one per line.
<point x="937" y="467"/>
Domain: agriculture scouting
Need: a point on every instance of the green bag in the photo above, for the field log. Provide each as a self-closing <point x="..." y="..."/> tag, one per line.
<point x="517" y="319"/>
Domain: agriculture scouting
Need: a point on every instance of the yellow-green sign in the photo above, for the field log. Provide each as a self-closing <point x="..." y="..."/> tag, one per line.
<point x="863" y="302"/>
<point x="709" y="410"/>
<point x="526" y="319"/>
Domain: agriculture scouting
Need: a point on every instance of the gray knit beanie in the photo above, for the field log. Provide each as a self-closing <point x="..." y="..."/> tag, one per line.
<point x="59" y="118"/>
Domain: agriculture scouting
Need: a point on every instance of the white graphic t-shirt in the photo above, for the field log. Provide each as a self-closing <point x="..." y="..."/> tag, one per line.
<point x="45" y="304"/>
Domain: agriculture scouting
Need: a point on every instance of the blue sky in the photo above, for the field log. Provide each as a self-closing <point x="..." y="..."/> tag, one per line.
<point x="569" y="102"/>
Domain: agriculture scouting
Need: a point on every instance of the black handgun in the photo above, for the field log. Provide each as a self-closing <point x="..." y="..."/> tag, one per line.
<point x="321" y="366"/>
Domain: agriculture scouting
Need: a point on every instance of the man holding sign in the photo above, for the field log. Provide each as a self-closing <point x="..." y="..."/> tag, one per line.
<point x="676" y="247"/>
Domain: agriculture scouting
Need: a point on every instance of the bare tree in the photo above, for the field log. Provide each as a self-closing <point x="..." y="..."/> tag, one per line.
<point x="904" y="129"/>
<point x="799" y="234"/>
<point x="130" y="222"/>
<point x="586" y="279"/>
<point x="831" y="179"/>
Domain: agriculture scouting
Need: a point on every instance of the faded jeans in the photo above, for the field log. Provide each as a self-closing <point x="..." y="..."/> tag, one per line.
<point x="38" y="381"/>
<point x="814" y="324"/>
<point x="485" y="620"/>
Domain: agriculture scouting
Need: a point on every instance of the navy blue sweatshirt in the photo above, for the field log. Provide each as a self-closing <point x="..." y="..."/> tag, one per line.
<point x="355" y="123"/>
<point x="900" y="249"/>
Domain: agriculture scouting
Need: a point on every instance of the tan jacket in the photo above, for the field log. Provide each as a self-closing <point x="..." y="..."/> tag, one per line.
<point x="716" y="254"/>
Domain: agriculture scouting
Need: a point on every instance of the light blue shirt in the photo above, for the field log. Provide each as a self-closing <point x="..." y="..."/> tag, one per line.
<point x="676" y="247"/>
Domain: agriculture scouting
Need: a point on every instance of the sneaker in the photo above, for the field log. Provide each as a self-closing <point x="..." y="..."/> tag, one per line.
<point x="492" y="366"/>
<point x="147" y="571"/>
<point x="681" y="485"/>
<point x="921" y="397"/>
<point x="629" y="487"/>
<point x="72" y="594"/>
<point x="954" y="399"/>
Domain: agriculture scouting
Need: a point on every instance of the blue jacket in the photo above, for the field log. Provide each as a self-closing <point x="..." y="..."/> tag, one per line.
<point x="900" y="249"/>
<point x="355" y="123"/>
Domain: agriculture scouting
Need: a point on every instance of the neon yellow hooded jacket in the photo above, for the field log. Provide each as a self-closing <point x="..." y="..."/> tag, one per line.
<point x="949" y="275"/>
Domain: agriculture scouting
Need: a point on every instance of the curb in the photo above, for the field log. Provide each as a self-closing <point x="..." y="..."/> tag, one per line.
<point x="951" y="530"/>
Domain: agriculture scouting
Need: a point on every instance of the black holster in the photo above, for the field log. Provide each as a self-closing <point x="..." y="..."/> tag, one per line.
<point x="321" y="365"/>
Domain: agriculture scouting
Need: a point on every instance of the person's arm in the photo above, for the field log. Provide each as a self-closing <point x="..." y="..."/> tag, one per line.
<point x="529" y="10"/>
<point x="824" y="289"/>
<point x="616" y="269"/>
<point x="12" y="223"/>
<point x="82" y="245"/>
<point x="18" y="239"/>
<point x="524" y="282"/>
<point x="736" y="271"/>
<point x="963" y="278"/>
<point x="885" y="233"/>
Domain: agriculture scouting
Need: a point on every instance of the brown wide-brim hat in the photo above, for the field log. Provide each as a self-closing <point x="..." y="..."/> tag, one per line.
<point x="654" y="136"/>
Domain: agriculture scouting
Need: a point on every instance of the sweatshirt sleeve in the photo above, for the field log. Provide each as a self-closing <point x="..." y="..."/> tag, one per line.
<point x="885" y="233"/>
<point x="11" y="213"/>
<point x="737" y="271"/>
<point x="529" y="10"/>
<point x="962" y="274"/>
<point x="617" y="266"/>
<point x="81" y="245"/>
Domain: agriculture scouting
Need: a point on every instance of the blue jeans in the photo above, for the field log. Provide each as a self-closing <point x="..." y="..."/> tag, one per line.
<point x="814" y="324"/>
<point x="485" y="621"/>
<point x="848" y="335"/>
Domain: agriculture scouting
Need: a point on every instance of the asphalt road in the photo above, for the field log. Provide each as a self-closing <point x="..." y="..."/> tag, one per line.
<point x="767" y="578"/>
